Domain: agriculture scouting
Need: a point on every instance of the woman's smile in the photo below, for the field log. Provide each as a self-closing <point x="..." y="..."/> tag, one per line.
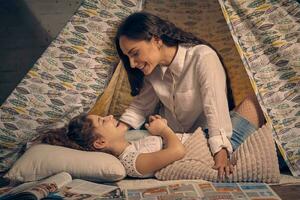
<point x="142" y="68"/>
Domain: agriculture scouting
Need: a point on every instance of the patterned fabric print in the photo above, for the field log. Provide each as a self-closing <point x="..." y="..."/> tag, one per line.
<point x="205" y="19"/>
<point x="129" y="163"/>
<point x="67" y="79"/>
<point x="267" y="33"/>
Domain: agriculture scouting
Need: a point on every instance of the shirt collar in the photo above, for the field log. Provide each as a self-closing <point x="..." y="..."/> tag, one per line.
<point x="176" y="66"/>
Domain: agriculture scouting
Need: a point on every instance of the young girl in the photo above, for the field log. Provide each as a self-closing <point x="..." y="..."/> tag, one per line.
<point x="140" y="158"/>
<point x="186" y="75"/>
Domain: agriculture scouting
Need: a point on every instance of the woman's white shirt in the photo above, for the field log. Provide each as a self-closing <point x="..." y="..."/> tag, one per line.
<point x="193" y="94"/>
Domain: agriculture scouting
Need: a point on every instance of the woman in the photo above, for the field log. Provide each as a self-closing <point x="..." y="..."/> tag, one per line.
<point x="186" y="77"/>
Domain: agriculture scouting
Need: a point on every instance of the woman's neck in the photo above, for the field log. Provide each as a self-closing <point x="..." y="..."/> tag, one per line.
<point x="168" y="54"/>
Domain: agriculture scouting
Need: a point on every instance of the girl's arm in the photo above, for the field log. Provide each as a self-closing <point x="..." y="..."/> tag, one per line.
<point x="150" y="162"/>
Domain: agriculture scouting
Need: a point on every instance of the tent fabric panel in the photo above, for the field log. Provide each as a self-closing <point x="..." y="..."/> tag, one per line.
<point x="67" y="79"/>
<point x="266" y="34"/>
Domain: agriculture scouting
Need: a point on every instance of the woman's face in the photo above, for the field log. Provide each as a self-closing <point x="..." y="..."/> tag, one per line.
<point x="106" y="127"/>
<point x="142" y="54"/>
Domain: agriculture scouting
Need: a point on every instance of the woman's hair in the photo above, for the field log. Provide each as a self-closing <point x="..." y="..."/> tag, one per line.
<point x="77" y="134"/>
<point x="143" y="26"/>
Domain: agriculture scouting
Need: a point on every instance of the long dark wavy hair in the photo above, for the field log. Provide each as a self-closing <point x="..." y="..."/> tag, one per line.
<point x="78" y="134"/>
<point x="143" y="26"/>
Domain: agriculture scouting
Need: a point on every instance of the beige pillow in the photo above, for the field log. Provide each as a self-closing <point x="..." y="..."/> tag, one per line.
<point x="44" y="160"/>
<point x="256" y="160"/>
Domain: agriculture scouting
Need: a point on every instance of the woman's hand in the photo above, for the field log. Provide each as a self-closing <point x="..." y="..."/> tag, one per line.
<point x="222" y="164"/>
<point x="156" y="125"/>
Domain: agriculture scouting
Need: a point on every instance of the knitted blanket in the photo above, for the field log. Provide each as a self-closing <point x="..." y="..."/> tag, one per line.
<point x="256" y="160"/>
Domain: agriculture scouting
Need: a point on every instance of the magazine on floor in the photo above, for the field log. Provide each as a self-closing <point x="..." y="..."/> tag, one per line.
<point x="62" y="186"/>
<point x="208" y="191"/>
<point x="59" y="186"/>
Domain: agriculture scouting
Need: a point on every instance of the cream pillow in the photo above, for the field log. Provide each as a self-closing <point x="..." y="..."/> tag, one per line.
<point x="256" y="160"/>
<point x="44" y="160"/>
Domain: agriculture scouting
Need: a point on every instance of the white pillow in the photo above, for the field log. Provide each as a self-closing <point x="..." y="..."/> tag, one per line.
<point x="43" y="160"/>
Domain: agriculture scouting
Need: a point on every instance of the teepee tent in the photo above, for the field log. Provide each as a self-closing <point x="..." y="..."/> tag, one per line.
<point x="258" y="39"/>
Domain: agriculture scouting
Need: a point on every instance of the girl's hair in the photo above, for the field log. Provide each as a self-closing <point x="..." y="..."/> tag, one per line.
<point x="77" y="134"/>
<point x="143" y="26"/>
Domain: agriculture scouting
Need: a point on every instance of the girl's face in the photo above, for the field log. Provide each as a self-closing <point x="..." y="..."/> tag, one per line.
<point x="142" y="54"/>
<point x="106" y="127"/>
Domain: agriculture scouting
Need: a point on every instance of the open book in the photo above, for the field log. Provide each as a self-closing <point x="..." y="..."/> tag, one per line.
<point x="59" y="186"/>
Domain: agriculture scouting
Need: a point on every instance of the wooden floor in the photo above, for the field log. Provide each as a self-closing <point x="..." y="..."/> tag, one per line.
<point x="287" y="192"/>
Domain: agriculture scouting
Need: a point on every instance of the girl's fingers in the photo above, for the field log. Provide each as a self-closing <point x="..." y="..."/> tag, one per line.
<point x="158" y="116"/>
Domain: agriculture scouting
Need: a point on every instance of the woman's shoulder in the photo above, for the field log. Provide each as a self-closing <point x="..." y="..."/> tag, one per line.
<point x="199" y="50"/>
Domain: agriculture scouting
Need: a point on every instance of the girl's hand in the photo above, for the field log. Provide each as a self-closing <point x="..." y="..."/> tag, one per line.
<point x="222" y="164"/>
<point x="173" y="149"/>
<point x="156" y="125"/>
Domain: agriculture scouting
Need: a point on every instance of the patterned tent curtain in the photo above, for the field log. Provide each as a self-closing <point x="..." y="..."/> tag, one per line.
<point x="266" y="34"/>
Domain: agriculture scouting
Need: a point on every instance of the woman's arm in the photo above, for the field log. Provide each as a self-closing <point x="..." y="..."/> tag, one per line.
<point x="150" y="162"/>
<point x="212" y="81"/>
<point x="142" y="105"/>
